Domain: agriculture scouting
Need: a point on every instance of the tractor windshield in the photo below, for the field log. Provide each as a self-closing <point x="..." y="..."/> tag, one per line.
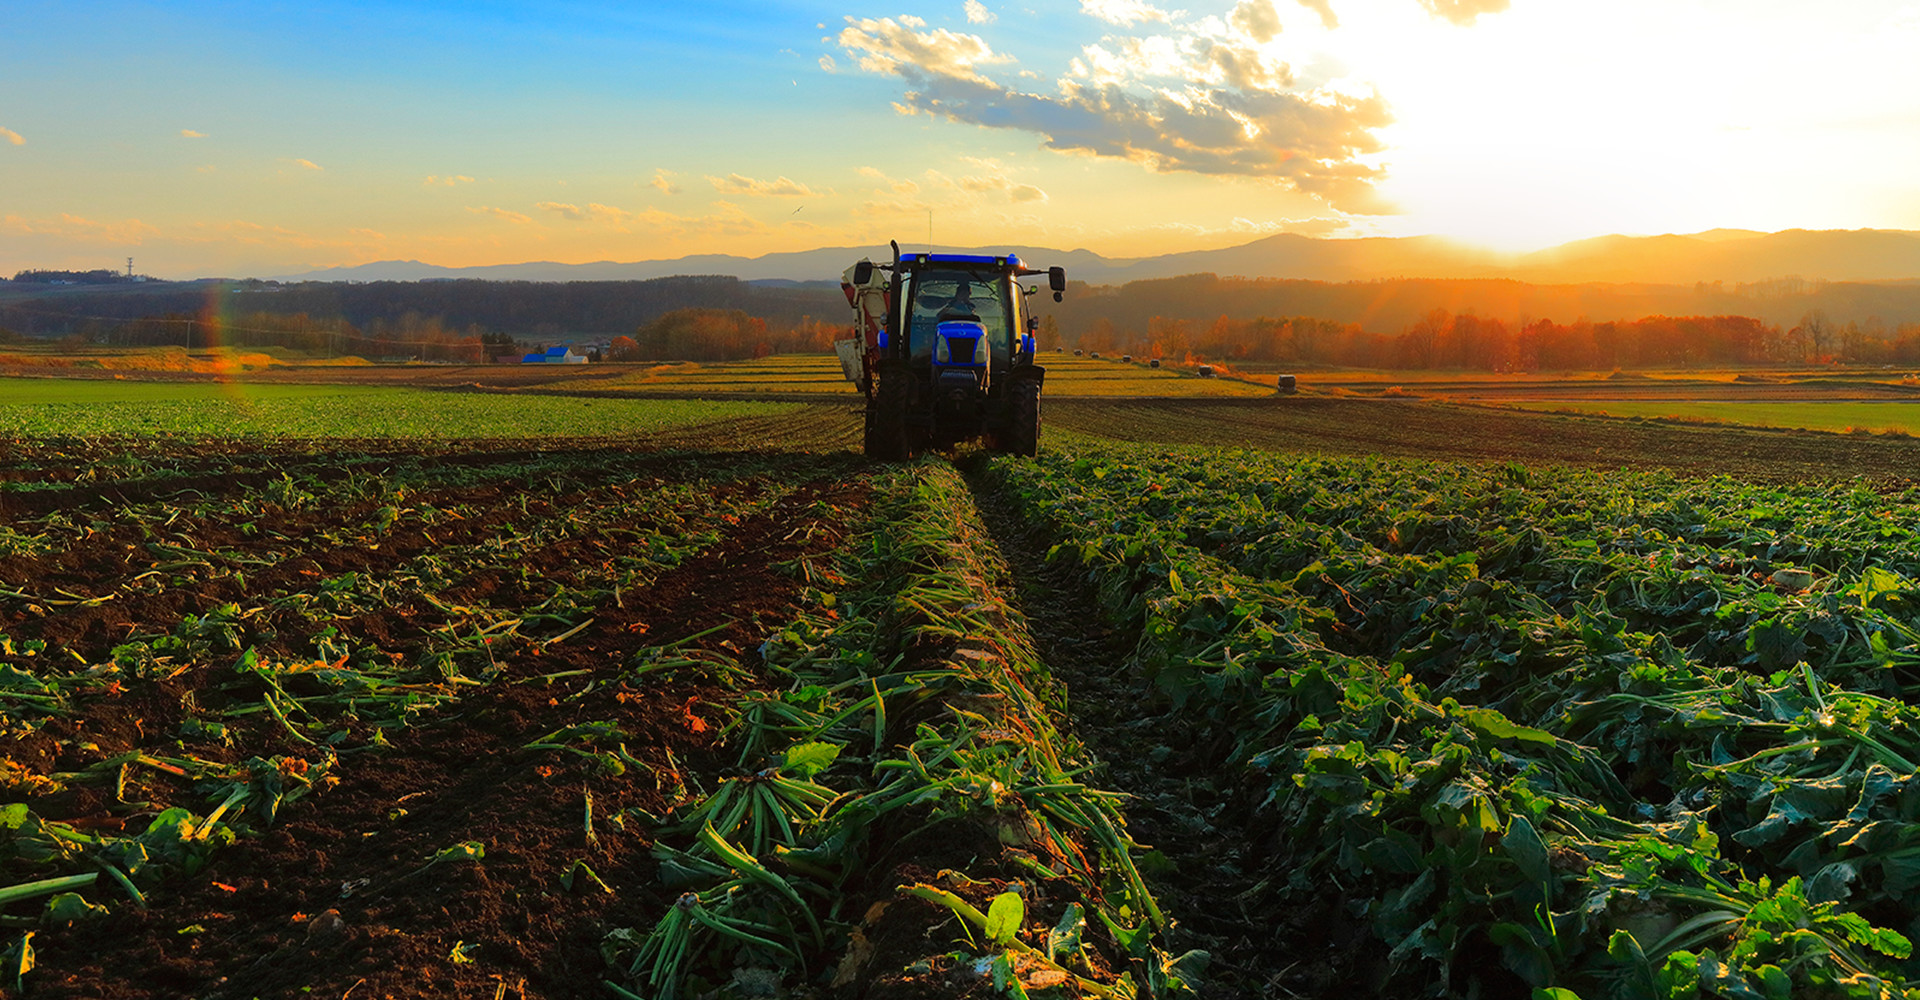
<point x="942" y="296"/>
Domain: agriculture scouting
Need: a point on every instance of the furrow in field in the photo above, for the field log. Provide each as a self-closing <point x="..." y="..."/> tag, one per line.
<point x="339" y="897"/>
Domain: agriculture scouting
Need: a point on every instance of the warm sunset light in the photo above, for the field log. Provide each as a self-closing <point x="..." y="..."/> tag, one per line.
<point x="1003" y="499"/>
<point x="211" y="140"/>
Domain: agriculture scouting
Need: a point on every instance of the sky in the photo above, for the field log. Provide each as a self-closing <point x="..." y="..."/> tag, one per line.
<point x="261" y="139"/>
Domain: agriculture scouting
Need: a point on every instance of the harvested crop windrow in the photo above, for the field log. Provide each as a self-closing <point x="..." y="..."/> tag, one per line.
<point x="1612" y="735"/>
<point x="907" y="814"/>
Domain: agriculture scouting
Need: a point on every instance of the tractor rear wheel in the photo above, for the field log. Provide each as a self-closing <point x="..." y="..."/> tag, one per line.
<point x="886" y="432"/>
<point x="1023" y="431"/>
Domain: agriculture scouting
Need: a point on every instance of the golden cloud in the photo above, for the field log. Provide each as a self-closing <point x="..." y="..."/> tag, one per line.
<point x="82" y="230"/>
<point x="515" y="217"/>
<point x="779" y="187"/>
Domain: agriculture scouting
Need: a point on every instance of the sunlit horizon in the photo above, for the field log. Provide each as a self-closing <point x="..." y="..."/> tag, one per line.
<point x="206" y="140"/>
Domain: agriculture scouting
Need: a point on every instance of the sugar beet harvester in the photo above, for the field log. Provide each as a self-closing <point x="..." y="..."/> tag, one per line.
<point x="943" y="351"/>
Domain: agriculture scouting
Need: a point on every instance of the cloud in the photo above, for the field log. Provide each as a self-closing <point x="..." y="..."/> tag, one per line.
<point x="254" y="234"/>
<point x="449" y="180"/>
<point x="1207" y="99"/>
<point x="303" y="164"/>
<point x="727" y="219"/>
<point x="896" y="186"/>
<point x="1463" y="12"/>
<point x="977" y="13"/>
<point x="616" y="217"/>
<point x="562" y="209"/>
<point x="606" y="215"/>
<point x="1256" y="19"/>
<point x="779" y="187"/>
<point x="191" y="134"/>
<point x="663" y="179"/>
<point x="514" y="217"/>
<point x="1125" y="13"/>
<point x="828" y="65"/>
<point x="994" y="182"/>
<point x="889" y="46"/>
<point x="12" y="137"/>
<point x="82" y="230"/>
<point x="1318" y="226"/>
<point x="1325" y="9"/>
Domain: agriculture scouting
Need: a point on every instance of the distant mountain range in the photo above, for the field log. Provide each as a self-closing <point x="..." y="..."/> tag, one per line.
<point x="1725" y="255"/>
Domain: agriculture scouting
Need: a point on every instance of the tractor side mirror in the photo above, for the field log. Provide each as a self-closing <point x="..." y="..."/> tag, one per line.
<point x="863" y="272"/>
<point x="1057" y="280"/>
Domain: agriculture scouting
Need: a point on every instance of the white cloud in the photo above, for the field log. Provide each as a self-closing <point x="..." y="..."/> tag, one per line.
<point x="1207" y="98"/>
<point x="977" y="13"/>
<point x="886" y="45"/>
<point x="663" y="180"/>
<point x="1463" y="12"/>
<point x="302" y="164"/>
<point x="1256" y="19"/>
<point x="1125" y="13"/>
<point x="780" y="187"/>
<point x="188" y="133"/>
<point x="12" y="137"/>
<point x="449" y="180"/>
<point x="1325" y="9"/>
<point x="828" y="65"/>
<point x="510" y="216"/>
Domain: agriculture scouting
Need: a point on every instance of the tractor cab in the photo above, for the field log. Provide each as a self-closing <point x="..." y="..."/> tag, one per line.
<point x="948" y="353"/>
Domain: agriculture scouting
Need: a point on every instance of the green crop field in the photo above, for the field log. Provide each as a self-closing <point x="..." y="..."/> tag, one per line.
<point x="1900" y="416"/>
<point x="367" y="691"/>
<point x="85" y="408"/>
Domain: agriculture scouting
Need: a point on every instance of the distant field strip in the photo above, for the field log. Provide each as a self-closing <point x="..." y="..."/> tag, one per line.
<point x="1839" y="415"/>
<point x="1066" y="376"/>
<point x="86" y="408"/>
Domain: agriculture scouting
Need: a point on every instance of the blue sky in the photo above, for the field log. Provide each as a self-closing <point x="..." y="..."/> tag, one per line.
<point x="219" y="138"/>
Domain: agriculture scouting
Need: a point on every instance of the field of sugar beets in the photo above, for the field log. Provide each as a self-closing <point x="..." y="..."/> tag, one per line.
<point x="727" y="710"/>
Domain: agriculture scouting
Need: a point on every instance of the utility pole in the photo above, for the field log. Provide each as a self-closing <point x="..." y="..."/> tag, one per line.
<point x="129" y="267"/>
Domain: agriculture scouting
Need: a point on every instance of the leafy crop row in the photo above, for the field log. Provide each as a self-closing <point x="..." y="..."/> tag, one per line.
<point x="1609" y="735"/>
<point x="913" y="710"/>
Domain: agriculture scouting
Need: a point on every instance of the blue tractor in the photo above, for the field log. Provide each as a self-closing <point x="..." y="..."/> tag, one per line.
<point x="944" y="352"/>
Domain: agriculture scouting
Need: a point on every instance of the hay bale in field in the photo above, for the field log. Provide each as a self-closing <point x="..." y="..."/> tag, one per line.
<point x="1076" y="352"/>
<point x="1204" y="371"/>
<point x="1285" y="384"/>
<point x="1153" y="363"/>
<point x="1128" y="358"/>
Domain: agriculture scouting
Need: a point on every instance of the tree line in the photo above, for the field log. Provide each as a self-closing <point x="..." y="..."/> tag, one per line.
<point x="711" y="319"/>
<point x="1443" y="340"/>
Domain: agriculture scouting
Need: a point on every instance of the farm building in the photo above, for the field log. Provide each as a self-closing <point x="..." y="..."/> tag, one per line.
<point x="562" y="355"/>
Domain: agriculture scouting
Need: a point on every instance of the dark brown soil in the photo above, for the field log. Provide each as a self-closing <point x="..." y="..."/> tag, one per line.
<point x="337" y="898"/>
